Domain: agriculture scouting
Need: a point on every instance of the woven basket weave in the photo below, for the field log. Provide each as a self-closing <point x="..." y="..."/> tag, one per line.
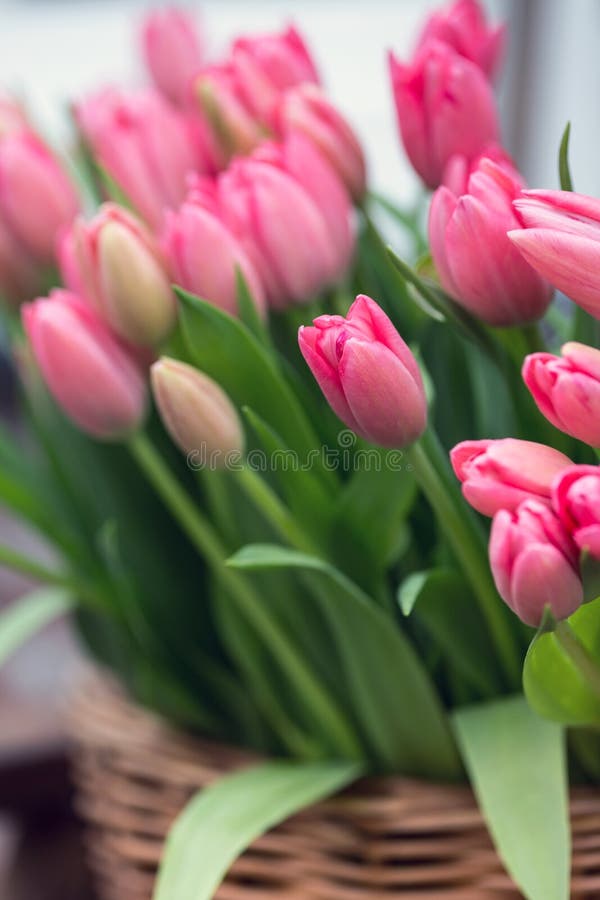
<point x="384" y="838"/>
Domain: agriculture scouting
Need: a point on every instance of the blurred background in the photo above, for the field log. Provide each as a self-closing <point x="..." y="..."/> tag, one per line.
<point x="51" y="51"/>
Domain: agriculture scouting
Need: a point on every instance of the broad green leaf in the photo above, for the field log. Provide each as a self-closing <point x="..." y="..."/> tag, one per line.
<point x="224" y="819"/>
<point x="518" y="769"/>
<point x="24" y="618"/>
<point x="564" y="172"/>
<point x="248" y="310"/>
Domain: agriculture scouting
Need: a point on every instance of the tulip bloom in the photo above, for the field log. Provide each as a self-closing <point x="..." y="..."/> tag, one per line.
<point x="463" y="26"/>
<point x="91" y="374"/>
<point x="459" y="168"/>
<point x="20" y="279"/>
<point x="367" y="373"/>
<point x="567" y="390"/>
<point x="235" y="129"/>
<point x="445" y="105"/>
<point x="576" y="499"/>
<point x="115" y="263"/>
<point x="502" y="474"/>
<point x="173" y="51"/>
<point x="12" y="117"/>
<point x="474" y="258"/>
<point x="534" y="563"/>
<point x="560" y="238"/>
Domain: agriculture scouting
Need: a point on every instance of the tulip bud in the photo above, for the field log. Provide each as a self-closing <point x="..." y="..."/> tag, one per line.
<point x="576" y="499"/>
<point x="473" y="256"/>
<point x="20" y="279"/>
<point x="235" y="129"/>
<point x="445" y="105"/>
<point x="462" y="25"/>
<point x="196" y="411"/>
<point x="459" y="168"/>
<point x="567" y="390"/>
<point x="502" y="474"/>
<point x="367" y="373"/>
<point x="172" y="50"/>
<point x="534" y="563"/>
<point x="560" y="238"/>
<point x="91" y="374"/>
<point x="307" y="110"/>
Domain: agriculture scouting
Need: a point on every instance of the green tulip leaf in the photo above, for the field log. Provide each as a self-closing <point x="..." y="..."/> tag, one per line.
<point x="23" y="619"/>
<point x="564" y="171"/>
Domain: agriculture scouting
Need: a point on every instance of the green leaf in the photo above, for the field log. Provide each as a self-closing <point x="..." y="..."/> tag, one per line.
<point x="224" y="819"/>
<point x="564" y="172"/>
<point x="517" y="764"/>
<point x="24" y="618"/>
<point x="248" y="310"/>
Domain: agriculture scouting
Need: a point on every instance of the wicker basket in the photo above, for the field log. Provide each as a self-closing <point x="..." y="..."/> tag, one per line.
<point x="384" y="838"/>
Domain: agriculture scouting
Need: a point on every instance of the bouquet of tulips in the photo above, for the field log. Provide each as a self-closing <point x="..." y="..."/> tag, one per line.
<point x="247" y="423"/>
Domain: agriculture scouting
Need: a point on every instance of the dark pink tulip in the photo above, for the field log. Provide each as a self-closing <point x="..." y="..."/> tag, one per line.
<point x="567" y="389"/>
<point x="172" y="50"/>
<point x="534" y="563"/>
<point x="576" y="499"/>
<point x="463" y="25"/>
<point x="445" y="105"/>
<point x="502" y="474"/>
<point x="475" y="261"/>
<point x="367" y="373"/>
<point x="91" y="374"/>
<point x="558" y="233"/>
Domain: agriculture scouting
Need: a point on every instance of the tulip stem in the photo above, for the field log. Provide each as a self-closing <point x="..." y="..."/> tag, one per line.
<point x="465" y="536"/>
<point x="579" y="655"/>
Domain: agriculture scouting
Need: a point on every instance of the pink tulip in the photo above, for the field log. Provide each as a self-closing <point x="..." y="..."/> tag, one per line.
<point x="567" y="389"/>
<point x="12" y="117"/>
<point x="576" y="499"/>
<point x="463" y="26"/>
<point x="173" y="51"/>
<point x="145" y="145"/>
<point x="560" y="237"/>
<point x="20" y="278"/>
<point x="234" y="127"/>
<point x="36" y="197"/>
<point x="502" y="474"/>
<point x="367" y="373"/>
<point x="444" y="105"/>
<point x="307" y="110"/>
<point x="90" y="373"/>
<point x="459" y="168"/>
<point x="474" y="259"/>
<point x="534" y="563"/>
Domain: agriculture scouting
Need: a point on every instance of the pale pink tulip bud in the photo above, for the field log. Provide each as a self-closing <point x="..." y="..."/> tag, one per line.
<point x="474" y="259"/>
<point x="173" y="51"/>
<point x="145" y="145"/>
<point x="463" y="26"/>
<point x="502" y="474"/>
<point x="567" y="389"/>
<point x="560" y="237"/>
<point x="115" y="263"/>
<point x="91" y="374"/>
<point x="576" y="499"/>
<point x="307" y="110"/>
<point x="534" y="563"/>
<point x="196" y="412"/>
<point x="12" y="117"/>
<point x="367" y="373"/>
<point x="36" y="198"/>
<point x="234" y="127"/>
<point x="445" y="105"/>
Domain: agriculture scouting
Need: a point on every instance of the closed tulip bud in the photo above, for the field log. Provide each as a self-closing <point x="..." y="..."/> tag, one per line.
<point x="91" y="374"/>
<point x="36" y="198"/>
<point x="20" y="279"/>
<point x="173" y="51"/>
<point x="445" y="105"/>
<point x="307" y="110"/>
<point x="196" y="411"/>
<point x="367" y="373"/>
<point x="235" y="129"/>
<point x="534" y="563"/>
<point x="474" y="259"/>
<point x="558" y="233"/>
<point x="502" y="474"/>
<point x="459" y="168"/>
<point x="463" y="26"/>
<point x="576" y="499"/>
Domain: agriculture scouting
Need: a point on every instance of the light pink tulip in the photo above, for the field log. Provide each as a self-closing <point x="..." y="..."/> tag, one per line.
<point x="502" y="474"/>
<point x="462" y="25"/>
<point x="459" y="168"/>
<point x="474" y="259"/>
<point x="234" y="127"/>
<point x="567" y="389"/>
<point x="560" y="237"/>
<point x="576" y="499"/>
<point x="36" y="198"/>
<point x="445" y="105"/>
<point x="89" y="371"/>
<point x="145" y="145"/>
<point x="534" y="563"/>
<point x="173" y="51"/>
<point x="306" y="109"/>
<point x="367" y="373"/>
<point x="12" y="117"/>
